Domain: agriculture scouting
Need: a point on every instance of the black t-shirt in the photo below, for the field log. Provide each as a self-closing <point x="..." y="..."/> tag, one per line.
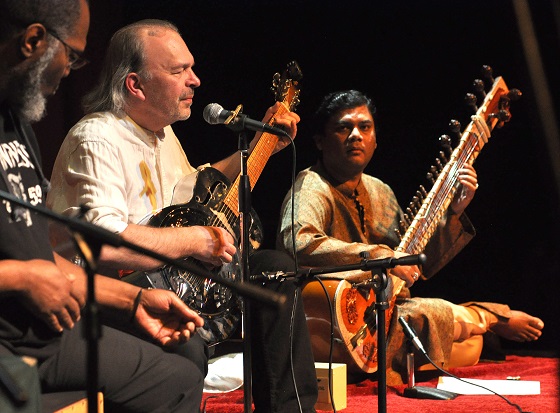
<point x="24" y="235"/>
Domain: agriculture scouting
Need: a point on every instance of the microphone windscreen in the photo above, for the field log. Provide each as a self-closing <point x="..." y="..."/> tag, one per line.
<point x="211" y="113"/>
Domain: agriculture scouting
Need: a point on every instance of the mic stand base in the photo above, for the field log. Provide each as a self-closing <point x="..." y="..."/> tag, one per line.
<point x="422" y="392"/>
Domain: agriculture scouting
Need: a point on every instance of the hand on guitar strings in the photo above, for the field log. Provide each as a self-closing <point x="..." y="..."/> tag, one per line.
<point x="213" y="245"/>
<point x="283" y="118"/>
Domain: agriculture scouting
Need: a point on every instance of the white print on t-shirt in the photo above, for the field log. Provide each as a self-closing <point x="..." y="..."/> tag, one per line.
<point x="34" y="196"/>
<point x="14" y="155"/>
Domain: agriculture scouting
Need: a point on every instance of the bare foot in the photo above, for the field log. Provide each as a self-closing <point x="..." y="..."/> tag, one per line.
<point x="520" y="327"/>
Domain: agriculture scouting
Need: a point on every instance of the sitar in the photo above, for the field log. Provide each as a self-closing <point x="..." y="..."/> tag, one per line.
<point x="354" y="306"/>
<point x="215" y="202"/>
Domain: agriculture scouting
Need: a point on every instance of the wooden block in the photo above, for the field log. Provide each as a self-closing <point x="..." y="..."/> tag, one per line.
<point x="81" y="406"/>
<point x="338" y="386"/>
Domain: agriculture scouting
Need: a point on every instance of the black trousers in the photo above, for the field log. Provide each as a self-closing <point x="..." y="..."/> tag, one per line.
<point x="138" y="376"/>
<point x="134" y="375"/>
<point x="283" y="370"/>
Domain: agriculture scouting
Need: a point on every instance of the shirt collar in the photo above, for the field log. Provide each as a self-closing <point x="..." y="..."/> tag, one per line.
<point x="146" y="135"/>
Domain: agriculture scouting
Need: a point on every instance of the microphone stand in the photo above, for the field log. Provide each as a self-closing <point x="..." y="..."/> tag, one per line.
<point x="91" y="329"/>
<point x="420" y="392"/>
<point x="379" y="283"/>
<point x="86" y="233"/>
<point x="244" y="222"/>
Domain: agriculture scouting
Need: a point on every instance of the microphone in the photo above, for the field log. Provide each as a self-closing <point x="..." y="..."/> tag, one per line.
<point x="412" y="336"/>
<point x="391" y="262"/>
<point x="216" y="114"/>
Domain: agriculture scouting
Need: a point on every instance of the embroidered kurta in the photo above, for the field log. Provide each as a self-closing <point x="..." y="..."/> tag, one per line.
<point x="332" y="228"/>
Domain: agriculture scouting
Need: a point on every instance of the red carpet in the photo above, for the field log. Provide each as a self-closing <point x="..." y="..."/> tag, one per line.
<point x="362" y="397"/>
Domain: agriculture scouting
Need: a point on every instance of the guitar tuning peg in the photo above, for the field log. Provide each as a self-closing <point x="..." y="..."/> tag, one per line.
<point x="487" y="73"/>
<point x="470" y="99"/>
<point x="455" y="127"/>
<point x="479" y="87"/>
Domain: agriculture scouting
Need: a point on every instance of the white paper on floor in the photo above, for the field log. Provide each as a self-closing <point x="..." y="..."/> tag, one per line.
<point x="503" y="387"/>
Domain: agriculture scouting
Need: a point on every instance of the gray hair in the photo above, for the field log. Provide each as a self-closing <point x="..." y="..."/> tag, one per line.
<point x="125" y="55"/>
<point x="59" y="16"/>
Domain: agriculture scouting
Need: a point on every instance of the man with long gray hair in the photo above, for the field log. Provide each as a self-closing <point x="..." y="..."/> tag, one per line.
<point x="123" y="162"/>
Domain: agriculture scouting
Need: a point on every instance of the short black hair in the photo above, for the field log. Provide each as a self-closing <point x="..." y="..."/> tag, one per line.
<point x="335" y="102"/>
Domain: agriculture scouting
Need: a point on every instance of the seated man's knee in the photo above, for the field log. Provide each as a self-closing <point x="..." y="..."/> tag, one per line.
<point x="196" y="351"/>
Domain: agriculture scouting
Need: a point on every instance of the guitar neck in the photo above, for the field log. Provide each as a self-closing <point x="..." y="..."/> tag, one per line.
<point x="256" y="162"/>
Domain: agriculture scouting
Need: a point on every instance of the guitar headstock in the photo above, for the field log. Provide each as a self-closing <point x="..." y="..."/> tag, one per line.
<point x="285" y="86"/>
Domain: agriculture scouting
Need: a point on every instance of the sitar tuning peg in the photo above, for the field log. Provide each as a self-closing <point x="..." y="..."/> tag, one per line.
<point x="430" y="177"/>
<point x="514" y="94"/>
<point x="455" y="127"/>
<point x="470" y="100"/>
<point x="443" y="157"/>
<point x="503" y="116"/>
<point x="479" y="87"/>
<point x="445" y="142"/>
<point x="487" y="73"/>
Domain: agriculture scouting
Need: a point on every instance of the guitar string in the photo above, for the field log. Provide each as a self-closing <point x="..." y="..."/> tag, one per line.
<point x="224" y="209"/>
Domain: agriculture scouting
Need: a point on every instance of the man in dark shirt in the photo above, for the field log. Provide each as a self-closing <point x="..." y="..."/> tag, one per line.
<point x="41" y="294"/>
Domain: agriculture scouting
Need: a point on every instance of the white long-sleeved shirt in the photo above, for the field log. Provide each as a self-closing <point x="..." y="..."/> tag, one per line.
<point x="122" y="172"/>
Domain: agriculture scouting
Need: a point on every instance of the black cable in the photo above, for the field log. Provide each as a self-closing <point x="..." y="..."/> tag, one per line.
<point x="413" y="338"/>
<point x="292" y="319"/>
<point x="519" y="409"/>
<point x="294" y="255"/>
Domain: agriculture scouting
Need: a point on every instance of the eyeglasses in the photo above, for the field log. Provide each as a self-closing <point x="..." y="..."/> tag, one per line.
<point x="75" y="59"/>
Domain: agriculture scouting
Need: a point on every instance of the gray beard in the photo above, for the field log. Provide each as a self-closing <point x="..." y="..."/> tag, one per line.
<point x="30" y="103"/>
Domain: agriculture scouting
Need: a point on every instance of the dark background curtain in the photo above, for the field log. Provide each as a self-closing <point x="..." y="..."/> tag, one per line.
<point x="417" y="60"/>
